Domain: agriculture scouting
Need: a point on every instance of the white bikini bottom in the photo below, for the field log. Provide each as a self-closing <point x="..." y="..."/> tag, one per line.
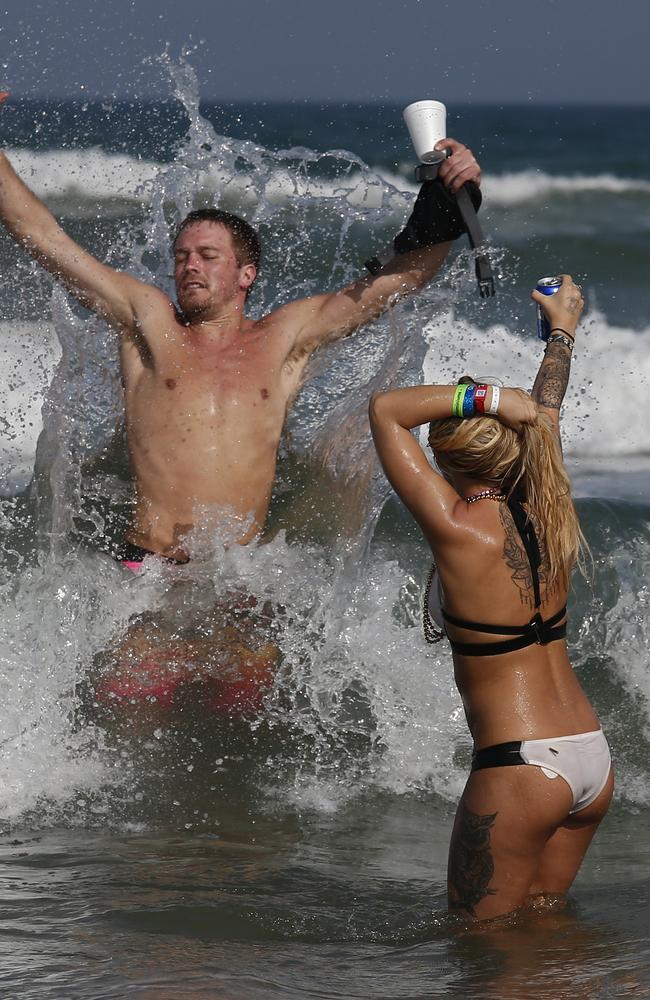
<point x="583" y="761"/>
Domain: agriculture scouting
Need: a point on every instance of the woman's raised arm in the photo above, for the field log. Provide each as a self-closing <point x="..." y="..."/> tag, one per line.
<point x="394" y="414"/>
<point x="563" y="311"/>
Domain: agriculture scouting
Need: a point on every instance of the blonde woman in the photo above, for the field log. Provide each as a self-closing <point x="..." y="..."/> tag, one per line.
<point x="504" y="536"/>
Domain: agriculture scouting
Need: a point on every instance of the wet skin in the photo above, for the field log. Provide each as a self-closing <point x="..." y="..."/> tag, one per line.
<point x="206" y="400"/>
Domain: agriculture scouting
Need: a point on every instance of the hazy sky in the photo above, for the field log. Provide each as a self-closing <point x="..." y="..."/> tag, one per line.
<point x="555" y="51"/>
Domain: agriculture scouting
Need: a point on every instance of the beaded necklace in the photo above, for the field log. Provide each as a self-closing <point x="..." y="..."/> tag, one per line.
<point x="486" y="495"/>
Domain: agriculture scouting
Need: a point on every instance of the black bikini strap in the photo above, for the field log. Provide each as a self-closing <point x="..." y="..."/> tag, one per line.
<point x="499" y="755"/>
<point x="501" y="629"/>
<point x="526" y="530"/>
<point x="537" y="632"/>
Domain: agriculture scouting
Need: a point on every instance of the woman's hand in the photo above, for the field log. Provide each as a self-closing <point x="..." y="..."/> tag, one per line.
<point x="564" y="309"/>
<point x="516" y="408"/>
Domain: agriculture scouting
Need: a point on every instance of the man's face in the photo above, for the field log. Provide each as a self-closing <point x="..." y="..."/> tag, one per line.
<point x="206" y="271"/>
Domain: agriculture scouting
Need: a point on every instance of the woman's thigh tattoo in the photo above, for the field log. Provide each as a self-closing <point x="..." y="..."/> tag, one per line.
<point x="471" y="866"/>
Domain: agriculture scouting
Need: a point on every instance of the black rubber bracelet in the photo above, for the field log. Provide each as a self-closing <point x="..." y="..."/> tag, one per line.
<point x="566" y="333"/>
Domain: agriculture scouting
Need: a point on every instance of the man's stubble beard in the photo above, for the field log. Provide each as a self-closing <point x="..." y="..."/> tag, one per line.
<point x="197" y="312"/>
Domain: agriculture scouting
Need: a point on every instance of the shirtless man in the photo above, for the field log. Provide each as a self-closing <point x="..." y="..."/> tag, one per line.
<point x="207" y="389"/>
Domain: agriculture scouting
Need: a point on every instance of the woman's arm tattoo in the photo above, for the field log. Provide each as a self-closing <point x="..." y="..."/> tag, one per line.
<point x="552" y="377"/>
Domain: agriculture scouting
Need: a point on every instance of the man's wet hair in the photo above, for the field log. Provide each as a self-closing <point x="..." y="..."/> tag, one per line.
<point x="245" y="241"/>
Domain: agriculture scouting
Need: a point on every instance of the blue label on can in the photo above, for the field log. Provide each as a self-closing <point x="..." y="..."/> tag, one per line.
<point x="547" y="286"/>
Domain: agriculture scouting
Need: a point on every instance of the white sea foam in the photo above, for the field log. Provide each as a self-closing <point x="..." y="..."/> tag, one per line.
<point x="61" y="616"/>
<point x="95" y="174"/>
<point x="30" y="352"/>
<point x="518" y="187"/>
<point x="85" y="173"/>
<point x="609" y="380"/>
<point x="51" y="626"/>
<point x="528" y="185"/>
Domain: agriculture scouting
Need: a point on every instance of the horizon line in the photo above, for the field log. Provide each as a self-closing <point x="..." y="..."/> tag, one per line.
<point x="334" y="102"/>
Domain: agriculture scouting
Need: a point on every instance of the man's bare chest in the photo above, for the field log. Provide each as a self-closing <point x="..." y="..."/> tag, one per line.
<point x="216" y="383"/>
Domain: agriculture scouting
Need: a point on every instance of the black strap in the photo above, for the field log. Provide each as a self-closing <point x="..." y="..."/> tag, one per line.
<point x="498" y="755"/>
<point x="535" y="632"/>
<point x="526" y="530"/>
<point x="505" y="629"/>
<point x="470" y="218"/>
<point x="482" y="265"/>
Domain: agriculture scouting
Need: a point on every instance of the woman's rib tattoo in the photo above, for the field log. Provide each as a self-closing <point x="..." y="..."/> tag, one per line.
<point x="552" y="377"/>
<point x="471" y="866"/>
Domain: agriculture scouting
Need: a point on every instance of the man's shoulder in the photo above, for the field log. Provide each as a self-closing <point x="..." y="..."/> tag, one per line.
<point x="154" y="316"/>
<point x="291" y="317"/>
<point x="146" y="289"/>
<point x="276" y="323"/>
<point x="149" y="301"/>
<point x="275" y="336"/>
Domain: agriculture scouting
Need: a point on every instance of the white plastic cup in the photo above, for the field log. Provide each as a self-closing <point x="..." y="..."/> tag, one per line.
<point x="427" y="125"/>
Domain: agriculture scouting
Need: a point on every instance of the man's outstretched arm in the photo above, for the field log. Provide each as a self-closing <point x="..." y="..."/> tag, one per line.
<point x="325" y="318"/>
<point x="32" y="225"/>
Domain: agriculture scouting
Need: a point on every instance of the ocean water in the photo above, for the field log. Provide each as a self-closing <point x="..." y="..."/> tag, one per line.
<point x="303" y="853"/>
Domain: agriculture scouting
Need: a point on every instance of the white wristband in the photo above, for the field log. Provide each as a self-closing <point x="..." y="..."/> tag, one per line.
<point x="494" y="405"/>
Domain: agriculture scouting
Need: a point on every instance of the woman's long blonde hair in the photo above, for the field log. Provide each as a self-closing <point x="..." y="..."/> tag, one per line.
<point x="530" y="462"/>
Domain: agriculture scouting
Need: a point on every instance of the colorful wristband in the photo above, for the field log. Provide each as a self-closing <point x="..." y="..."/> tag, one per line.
<point x="458" y="400"/>
<point x="468" y="402"/>
<point x="479" y="398"/>
<point x="494" y="405"/>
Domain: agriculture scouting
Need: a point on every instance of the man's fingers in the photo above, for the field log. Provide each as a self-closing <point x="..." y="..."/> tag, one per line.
<point x="459" y="177"/>
<point x="460" y="167"/>
<point x="448" y="143"/>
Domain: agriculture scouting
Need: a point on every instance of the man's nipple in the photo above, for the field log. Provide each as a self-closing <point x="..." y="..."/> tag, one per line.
<point x="170" y="383"/>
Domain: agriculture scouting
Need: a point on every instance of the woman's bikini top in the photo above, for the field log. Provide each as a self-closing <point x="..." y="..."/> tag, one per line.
<point x="537" y="630"/>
